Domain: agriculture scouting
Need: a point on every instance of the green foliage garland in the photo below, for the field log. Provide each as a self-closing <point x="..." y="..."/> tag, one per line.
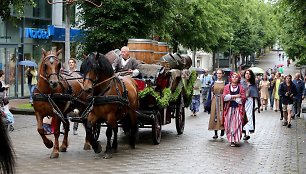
<point x="167" y="95"/>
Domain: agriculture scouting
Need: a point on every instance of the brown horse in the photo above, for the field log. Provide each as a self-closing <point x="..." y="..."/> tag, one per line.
<point x="115" y="99"/>
<point x="53" y="97"/>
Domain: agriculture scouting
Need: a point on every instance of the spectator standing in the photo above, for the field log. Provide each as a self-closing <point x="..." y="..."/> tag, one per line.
<point x="283" y="56"/>
<point x="31" y="74"/>
<point x="195" y="104"/>
<point x="300" y="87"/>
<point x="287" y="91"/>
<point x="206" y="81"/>
<point x="8" y="118"/>
<point x="73" y="72"/>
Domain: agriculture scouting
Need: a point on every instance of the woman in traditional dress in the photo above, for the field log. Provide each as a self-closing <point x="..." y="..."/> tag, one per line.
<point x="275" y="92"/>
<point x="233" y="112"/>
<point x="264" y="92"/>
<point x="252" y="96"/>
<point x="215" y="96"/>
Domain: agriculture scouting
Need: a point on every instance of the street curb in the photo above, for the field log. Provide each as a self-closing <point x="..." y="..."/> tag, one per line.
<point x="22" y="111"/>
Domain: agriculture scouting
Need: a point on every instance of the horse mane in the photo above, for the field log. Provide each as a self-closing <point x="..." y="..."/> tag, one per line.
<point x="7" y="160"/>
<point x="98" y="63"/>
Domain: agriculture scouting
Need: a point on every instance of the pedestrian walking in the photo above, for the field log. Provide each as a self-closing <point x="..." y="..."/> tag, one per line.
<point x="281" y="69"/>
<point x="216" y="103"/>
<point x="252" y="102"/>
<point x="264" y="92"/>
<point x="288" y="92"/>
<point x="233" y="111"/>
<point x="300" y="87"/>
<point x="288" y="62"/>
<point x="195" y="104"/>
<point x="283" y="56"/>
<point x="275" y="92"/>
<point x="206" y="81"/>
<point x="279" y="56"/>
<point x="31" y="74"/>
<point x="270" y="89"/>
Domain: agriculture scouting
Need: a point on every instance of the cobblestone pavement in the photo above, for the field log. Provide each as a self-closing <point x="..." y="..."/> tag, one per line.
<point x="273" y="148"/>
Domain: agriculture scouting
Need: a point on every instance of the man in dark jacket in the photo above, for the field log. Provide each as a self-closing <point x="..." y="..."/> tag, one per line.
<point x="287" y="91"/>
<point x="125" y="63"/>
<point x="300" y="86"/>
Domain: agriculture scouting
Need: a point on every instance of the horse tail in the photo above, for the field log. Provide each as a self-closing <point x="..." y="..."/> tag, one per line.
<point x="7" y="159"/>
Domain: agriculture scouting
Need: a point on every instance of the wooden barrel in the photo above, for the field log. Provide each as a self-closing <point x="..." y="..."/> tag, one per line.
<point x="163" y="49"/>
<point x="155" y="49"/>
<point x="141" y="49"/>
<point x="175" y="61"/>
<point x="187" y="61"/>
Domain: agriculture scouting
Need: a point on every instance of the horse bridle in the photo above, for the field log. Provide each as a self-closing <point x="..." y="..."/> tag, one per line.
<point x="50" y="58"/>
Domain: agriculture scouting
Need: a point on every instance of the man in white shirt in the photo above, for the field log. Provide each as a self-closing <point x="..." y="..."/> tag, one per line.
<point x="125" y="63"/>
<point x="206" y="81"/>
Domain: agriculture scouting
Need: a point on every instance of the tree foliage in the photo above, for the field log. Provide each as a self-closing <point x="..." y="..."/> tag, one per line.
<point x="110" y="26"/>
<point x="292" y="20"/>
<point x="16" y="5"/>
<point x="208" y="25"/>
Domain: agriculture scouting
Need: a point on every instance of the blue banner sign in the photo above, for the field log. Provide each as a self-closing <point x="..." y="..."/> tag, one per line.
<point x="39" y="33"/>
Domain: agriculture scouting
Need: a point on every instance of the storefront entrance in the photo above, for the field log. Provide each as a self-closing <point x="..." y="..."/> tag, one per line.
<point x="8" y="59"/>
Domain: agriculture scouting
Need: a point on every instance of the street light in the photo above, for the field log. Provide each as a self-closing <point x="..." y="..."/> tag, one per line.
<point x="67" y="27"/>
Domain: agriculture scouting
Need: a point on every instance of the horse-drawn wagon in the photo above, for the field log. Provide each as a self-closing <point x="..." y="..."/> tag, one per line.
<point x="163" y="95"/>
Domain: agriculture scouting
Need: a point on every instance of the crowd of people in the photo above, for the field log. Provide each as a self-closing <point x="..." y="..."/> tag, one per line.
<point x="233" y="101"/>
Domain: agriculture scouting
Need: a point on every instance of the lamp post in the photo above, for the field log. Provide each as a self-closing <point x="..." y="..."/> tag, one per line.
<point x="68" y="3"/>
<point x="230" y="53"/>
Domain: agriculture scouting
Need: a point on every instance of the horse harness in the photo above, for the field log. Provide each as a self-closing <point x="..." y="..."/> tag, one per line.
<point x="101" y="98"/>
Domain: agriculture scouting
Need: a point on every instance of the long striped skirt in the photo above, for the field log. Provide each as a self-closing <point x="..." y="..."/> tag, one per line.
<point x="233" y="125"/>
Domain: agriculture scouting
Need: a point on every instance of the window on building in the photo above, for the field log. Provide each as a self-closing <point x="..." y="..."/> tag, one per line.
<point x="72" y="15"/>
<point x="42" y="9"/>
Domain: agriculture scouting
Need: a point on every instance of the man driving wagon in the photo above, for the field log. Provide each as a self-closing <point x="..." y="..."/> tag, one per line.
<point x="125" y="64"/>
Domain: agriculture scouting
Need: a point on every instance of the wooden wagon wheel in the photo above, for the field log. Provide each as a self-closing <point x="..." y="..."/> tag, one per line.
<point x="96" y="131"/>
<point x="180" y="115"/>
<point x="156" y="128"/>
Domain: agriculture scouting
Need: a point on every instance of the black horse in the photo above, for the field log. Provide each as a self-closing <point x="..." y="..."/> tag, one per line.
<point x="7" y="159"/>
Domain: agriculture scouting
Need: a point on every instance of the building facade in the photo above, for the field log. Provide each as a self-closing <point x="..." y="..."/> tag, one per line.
<point x="24" y="38"/>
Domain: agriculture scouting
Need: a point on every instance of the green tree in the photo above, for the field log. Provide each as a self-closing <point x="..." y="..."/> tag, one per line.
<point x="17" y="5"/>
<point x="110" y="26"/>
<point x="292" y="20"/>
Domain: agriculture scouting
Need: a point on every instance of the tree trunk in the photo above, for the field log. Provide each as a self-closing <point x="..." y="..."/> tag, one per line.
<point x="214" y="60"/>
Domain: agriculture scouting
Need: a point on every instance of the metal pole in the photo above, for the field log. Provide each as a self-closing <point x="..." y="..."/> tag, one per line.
<point x="67" y="33"/>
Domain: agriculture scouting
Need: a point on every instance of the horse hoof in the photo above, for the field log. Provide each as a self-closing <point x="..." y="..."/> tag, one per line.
<point x="54" y="155"/>
<point x="132" y="146"/>
<point x="49" y="145"/>
<point x="86" y="146"/>
<point x="63" y="149"/>
<point x="107" y="156"/>
<point x="98" y="149"/>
